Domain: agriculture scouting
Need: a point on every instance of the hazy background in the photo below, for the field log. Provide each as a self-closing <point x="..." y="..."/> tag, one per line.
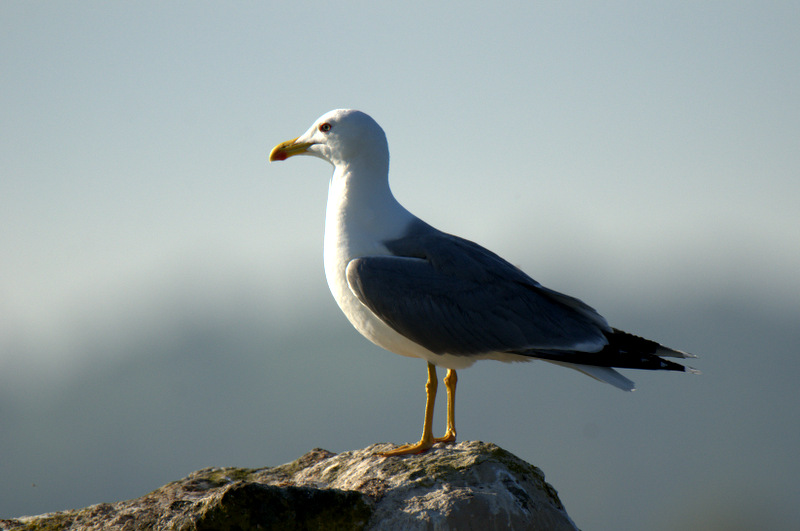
<point x="163" y="306"/>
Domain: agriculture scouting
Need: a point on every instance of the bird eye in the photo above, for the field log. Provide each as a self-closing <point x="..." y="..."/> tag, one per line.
<point x="325" y="127"/>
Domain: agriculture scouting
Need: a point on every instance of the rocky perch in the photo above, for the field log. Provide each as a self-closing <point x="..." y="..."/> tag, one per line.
<point x="469" y="485"/>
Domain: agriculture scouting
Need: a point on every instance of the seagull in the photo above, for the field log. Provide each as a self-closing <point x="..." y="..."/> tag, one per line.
<point x="422" y="293"/>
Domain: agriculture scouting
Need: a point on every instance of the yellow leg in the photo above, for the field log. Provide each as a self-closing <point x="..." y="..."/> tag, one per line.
<point x="450" y="382"/>
<point x="427" y="430"/>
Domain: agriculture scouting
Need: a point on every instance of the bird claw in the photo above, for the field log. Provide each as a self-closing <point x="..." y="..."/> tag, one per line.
<point x="449" y="438"/>
<point x="420" y="447"/>
<point x="410" y="449"/>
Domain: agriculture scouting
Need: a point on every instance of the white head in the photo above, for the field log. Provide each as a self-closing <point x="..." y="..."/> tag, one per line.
<point x="341" y="137"/>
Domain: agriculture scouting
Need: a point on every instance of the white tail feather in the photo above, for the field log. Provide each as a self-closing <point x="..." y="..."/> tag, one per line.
<point x="672" y="353"/>
<point x="604" y="374"/>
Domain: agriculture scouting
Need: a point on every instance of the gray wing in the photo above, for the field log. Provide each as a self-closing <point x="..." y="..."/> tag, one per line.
<point x="453" y="296"/>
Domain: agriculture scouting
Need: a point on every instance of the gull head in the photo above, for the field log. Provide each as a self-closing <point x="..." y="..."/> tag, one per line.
<point x="340" y="137"/>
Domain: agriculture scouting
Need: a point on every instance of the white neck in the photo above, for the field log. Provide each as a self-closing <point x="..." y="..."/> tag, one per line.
<point x="361" y="210"/>
<point x="362" y="213"/>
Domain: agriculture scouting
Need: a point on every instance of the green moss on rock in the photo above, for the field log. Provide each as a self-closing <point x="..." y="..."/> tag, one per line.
<point x="448" y="487"/>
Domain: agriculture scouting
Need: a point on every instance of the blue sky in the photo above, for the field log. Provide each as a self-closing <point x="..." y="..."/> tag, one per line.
<point x="643" y="158"/>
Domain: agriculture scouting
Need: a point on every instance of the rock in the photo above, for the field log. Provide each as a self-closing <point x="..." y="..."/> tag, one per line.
<point x="469" y="485"/>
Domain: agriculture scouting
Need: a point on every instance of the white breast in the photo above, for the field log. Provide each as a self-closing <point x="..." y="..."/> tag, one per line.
<point x="361" y="214"/>
<point x="356" y="226"/>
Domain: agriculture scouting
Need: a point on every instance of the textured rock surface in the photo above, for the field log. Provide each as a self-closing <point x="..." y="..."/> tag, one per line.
<point x="470" y="485"/>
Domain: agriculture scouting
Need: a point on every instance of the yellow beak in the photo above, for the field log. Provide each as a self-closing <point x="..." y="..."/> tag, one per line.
<point x="284" y="150"/>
